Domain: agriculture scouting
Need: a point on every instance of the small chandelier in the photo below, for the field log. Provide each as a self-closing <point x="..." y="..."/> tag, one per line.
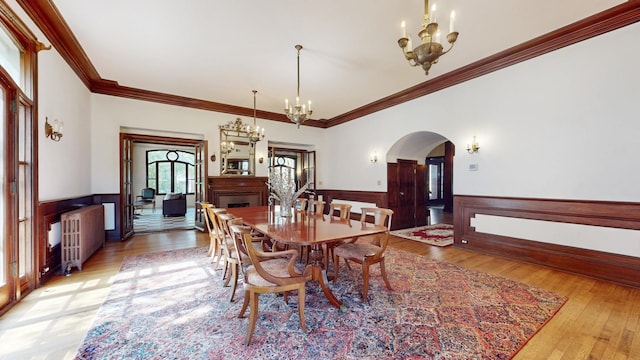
<point x="298" y="113"/>
<point x="254" y="132"/>
<point x="227" y="147"/>
<point x="430" y="49"/>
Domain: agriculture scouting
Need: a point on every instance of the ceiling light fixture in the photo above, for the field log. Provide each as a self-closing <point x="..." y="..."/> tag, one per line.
<point x="430" y="50"/>
<point x="297" y="113"/>
<point x="254" y="132"/>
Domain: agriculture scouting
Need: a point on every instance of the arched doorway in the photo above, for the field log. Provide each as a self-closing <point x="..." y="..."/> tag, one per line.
<point x="408" y="177"/>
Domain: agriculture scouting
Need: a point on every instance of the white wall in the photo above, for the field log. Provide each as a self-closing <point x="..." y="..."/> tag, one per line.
<point x="109" y="114"/>
<point x="563" y="125"/>
<point x="64" y="166"/>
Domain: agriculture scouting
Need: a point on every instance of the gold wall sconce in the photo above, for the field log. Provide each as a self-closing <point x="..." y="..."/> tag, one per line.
<point x="261" y="159"/>
<point x="213" y="157"/>
<point x="473" y="147"/>
<point x="53" y="132"/>
<point x="374" y="158"/>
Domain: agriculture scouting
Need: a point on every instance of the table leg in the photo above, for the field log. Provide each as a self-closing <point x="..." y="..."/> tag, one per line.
<point x="319" y="274"/>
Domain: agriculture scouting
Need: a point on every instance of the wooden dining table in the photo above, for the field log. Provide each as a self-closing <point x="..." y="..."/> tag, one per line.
<point x="308" y="229"/>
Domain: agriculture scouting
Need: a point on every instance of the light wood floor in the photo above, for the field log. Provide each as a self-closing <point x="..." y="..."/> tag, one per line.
<point x="599" y="321"/>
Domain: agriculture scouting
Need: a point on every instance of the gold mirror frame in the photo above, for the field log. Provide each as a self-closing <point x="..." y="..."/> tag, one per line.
<point x="238" y="159"/>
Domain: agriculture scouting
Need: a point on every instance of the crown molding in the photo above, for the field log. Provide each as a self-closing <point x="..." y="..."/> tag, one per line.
<point x="598" y="24"/>
<point x="47" y="17"/>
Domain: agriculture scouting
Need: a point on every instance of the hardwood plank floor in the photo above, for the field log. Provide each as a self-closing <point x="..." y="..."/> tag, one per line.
<point x="599" y="321"/>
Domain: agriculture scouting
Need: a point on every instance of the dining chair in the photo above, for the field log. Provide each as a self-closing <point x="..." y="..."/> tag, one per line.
<point x="301" y="204"/>
<point x="216" y="234"/>
<point x="316" y="206"/>
<point x="369" y="251"/>
<point x="235" y="259"/>
<point x="270" y="272"/>
<point x="207" y="220"/>
<point x="344" y="210"/>
<point x="344" y="213"/>
<point x="231" y="259"/>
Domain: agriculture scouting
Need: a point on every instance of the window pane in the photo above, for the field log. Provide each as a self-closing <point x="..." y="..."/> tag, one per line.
<point x="156" y="155"/>
<point x="164" y="177"/>
<point x="10" y="57"/>
<point x="186" y="157"/>
<point x="180" y="178"/>
<point x="191" y="181"/>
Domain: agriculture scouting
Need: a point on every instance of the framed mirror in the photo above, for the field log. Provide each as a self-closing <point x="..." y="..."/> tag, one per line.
<point x="237" y="151"/>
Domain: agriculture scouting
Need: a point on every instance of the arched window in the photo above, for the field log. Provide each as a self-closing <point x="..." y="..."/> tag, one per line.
<point x="171" y="171"/>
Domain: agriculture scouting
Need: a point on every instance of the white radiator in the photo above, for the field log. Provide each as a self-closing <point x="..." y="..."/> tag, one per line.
<point x="82" y="234"/>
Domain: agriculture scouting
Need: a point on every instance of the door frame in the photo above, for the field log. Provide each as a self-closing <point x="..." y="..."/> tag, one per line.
<point x="126" y="158"/>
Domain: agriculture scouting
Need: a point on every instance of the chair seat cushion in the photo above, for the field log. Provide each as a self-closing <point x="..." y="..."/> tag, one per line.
<point x="275" y="267"/>
<point x="356" y="250"/>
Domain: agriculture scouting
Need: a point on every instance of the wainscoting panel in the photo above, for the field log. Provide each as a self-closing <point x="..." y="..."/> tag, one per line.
<point x="507" y="227"/>
<point x="48" y="253"/>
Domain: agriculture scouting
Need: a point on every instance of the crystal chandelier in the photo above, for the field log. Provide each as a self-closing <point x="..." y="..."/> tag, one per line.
<point x="430" y="48"/>
<point x="254" y="132"/>
<point x="297" y="113"/>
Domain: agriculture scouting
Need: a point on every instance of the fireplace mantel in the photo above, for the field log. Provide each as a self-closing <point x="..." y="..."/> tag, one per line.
<point x="223" y="191"/>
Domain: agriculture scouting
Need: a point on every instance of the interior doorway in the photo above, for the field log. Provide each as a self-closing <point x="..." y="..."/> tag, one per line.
<point x="415" y="186"/>
<point x="435" y="181"/>
<point x="128" y="163"/>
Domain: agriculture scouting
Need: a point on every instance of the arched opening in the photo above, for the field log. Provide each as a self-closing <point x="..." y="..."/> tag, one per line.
<point x="410" y="177"/>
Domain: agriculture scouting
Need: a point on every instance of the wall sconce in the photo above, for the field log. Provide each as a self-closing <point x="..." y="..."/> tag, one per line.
<point x="261" y="159"/>
<point x="374" y="158"/>
<point x="213" y="157"/>
<point x="473" y="147"/>
<point x="53" y="132"/>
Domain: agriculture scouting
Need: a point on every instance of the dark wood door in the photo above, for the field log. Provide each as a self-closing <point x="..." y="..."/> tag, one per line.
<point x="126" y="184"/>
<point x="405" y="217"/>
<point x="421" y="195"/>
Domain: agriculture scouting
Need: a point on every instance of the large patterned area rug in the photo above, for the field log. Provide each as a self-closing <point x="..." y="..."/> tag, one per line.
<point x="438" y="235"/>
<point x="171" y="305"/>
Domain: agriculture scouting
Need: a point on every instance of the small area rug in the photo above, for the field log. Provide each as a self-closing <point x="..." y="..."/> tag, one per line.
<point x="148" y="220"/>
<point x="171" y="305"/>
<point x="438" y="235"/>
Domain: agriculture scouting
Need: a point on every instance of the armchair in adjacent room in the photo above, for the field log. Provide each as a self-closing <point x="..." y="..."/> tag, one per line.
<point x="174" y="204"/>
<point x="147" y="197"/>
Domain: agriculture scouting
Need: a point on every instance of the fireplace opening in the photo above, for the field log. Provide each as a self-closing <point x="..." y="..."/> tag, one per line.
<point x="238" y="205"/>
<point x="239" y="200"/>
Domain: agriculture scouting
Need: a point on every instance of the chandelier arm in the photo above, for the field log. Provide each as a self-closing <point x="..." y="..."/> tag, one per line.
<point x="449" y="49"/>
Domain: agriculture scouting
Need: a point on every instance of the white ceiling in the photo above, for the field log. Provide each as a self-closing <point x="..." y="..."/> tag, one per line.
<point x="220" y="50"/>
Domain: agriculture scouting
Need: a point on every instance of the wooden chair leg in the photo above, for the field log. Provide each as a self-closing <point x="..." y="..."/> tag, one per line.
<point x="234" y="284"/>
<point x="383" y="271"/>
<point x="365" y="281"/>
<point x="245" y="304"/>
<point x="226" y="276"/>
<point x="253" y="316"/>
<point x="301" y="294"/>
<point x="336" y="263"/>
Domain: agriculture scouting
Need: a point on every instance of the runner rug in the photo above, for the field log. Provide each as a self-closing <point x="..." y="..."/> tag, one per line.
<point x="438" y="235"/>
<point x="171" y="305"/>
